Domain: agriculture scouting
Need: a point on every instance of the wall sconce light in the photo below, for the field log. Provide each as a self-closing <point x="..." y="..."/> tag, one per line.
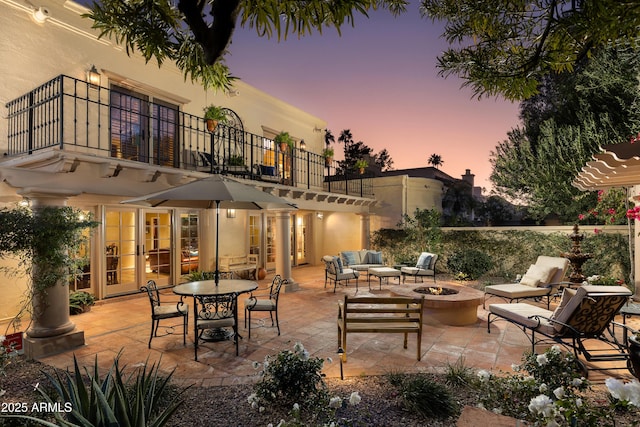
<point x="93" y="76"/>
<point x="317" y="129"/>
<point x="319" y="215"/>
<point x="233" y="92"/>
<point x="231" y="213"/>
<point x="40" y="15"/>
<point x="303" y="146"/>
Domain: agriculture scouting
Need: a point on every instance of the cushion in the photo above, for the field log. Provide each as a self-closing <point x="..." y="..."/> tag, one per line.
<point x="338" y="262"/>
<point x="268" y="170"/>
<point x="567" y="294"/>
<point x="373" y="258"/>
<point x="424" y="261"/>
<point x="349" y="257"/>
<point x="538" y="275"/>
<point x="569" y="307"/>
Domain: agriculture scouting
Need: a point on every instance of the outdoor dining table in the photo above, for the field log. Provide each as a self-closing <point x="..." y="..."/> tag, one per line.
<point x="202" y="289"/>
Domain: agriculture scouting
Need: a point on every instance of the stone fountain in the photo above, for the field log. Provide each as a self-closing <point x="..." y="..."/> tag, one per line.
<point x="576" y="257"/>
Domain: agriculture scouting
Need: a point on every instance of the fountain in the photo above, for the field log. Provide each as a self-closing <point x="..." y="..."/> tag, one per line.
<point x="576" y="257"/>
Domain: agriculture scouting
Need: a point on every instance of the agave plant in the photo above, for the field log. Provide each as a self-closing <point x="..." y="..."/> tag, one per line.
<point x="118" y="399"/>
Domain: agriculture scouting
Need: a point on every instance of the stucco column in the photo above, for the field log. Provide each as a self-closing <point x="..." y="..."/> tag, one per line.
<point x="365" y="230"/>
<point x="283" y="249"/>
<point x="51" y="329"/>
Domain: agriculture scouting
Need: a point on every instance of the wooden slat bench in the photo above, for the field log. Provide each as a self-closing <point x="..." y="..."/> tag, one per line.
<point x="380" y="315"/>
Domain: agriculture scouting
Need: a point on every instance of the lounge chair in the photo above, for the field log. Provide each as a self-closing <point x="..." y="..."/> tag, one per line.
<point x="425" y="267"/>
<point x="542" y="280"/>
<point x="334" y="271"/>
<point x="584" y="314"/>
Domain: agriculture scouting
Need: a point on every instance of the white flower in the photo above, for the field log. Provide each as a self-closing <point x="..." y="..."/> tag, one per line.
<point x="304" y="355"/>
<point x="2" y="338"/>
<point x="541" y="404"/>
<point x="254" y="405"/>
<point x="578" y="403"/>
<point x="354" y="399"/>
<point x="483" y="376"/>
<point x="252" y="398"/>
<point x="261" y="409"/>
<point x="555" y="349"/>
<point x="559" y="392"/>
<point x="628" y="393"/>
<point x="497" y="411"/>
<point x="515" y="367"/>
<point x="2" y="392"/>
<point x="616" y="387"/>
<point x="335" y="402"/>
<point x="281" y="423"/>
<point x="552" y="423"/>
<point x="542" y="388"/>
<point x="298" y="347"/>
<point x="542" y="359"/>
<point x="577" y="382"/>
<point x="329" y="360"/>
<point x="296" y="407"/>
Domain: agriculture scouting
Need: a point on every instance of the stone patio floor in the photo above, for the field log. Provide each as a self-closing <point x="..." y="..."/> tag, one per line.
<point x="307" y="315"/>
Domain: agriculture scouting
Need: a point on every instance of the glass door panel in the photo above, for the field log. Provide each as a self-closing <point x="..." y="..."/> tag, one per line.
<point x="189" y="243"/>
<point x="157" y="247"/>
<point x="270" y="249"/>
<point x="301" y="238"/>
<point x="120" y="251"/>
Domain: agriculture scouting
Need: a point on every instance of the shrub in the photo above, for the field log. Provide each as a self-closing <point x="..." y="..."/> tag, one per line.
<point x="422" y="395"/>
<point x="469" y="264"/>
<point x="459" y="375"/>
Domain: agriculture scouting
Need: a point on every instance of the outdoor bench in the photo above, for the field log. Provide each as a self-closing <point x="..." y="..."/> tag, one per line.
<point x="245" y="266"/>
<point x="380" y="315"/>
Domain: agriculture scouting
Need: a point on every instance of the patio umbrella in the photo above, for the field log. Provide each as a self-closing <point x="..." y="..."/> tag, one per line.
<point x="214" y="191"/>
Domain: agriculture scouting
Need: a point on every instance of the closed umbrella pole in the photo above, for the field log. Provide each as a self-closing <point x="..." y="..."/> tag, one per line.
<point x="216" y="274"/>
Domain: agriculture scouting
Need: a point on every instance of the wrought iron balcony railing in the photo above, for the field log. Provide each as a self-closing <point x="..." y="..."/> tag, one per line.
<point x="76" y="116"/>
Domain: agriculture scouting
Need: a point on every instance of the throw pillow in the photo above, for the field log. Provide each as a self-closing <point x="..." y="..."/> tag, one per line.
<point x="349" y="258"/>
<point x="538" y="275"/>
<point x="424" y="261"/>
<point x="339" y="264"/>
<point x="567" y="294"/>
<point x="373" y="257"/>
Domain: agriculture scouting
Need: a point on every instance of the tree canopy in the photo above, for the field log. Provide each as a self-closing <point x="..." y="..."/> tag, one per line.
<point x="195" y="34"/>
<point x="563" y="126"/>
<point x="505" y="47"/>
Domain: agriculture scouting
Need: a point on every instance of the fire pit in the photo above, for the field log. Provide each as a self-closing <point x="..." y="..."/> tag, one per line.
<point x="450" y="304"/>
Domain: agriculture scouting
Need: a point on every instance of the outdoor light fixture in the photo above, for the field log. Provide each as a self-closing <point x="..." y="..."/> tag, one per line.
<point x="303" y="146"/>
<point x="231" y="213"/>
<point x="233" y="92"/>
<point x="317" y="129"/>
<point x="40" y="15"/>
<point x="319" y="215"/>
<point x="341" y="356"/>
<point x="93" y="76"/>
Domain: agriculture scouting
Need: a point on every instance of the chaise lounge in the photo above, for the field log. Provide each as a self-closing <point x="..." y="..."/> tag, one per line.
<point x="542" y="280"/>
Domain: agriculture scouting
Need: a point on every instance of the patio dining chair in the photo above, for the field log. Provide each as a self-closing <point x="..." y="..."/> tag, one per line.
<point x="269" y="304"/>
<point x="164" y="311"/>
<point x="214" y="315"/>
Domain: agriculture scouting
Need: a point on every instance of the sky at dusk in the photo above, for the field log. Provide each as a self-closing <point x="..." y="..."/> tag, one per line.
<point x="379" y="79"/>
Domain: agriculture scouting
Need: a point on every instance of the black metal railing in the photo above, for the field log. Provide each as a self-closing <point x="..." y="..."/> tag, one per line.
<point x="74" y="115"/>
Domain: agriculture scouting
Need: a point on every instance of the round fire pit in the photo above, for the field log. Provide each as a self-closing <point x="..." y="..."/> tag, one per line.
<point x="448" y="304"/>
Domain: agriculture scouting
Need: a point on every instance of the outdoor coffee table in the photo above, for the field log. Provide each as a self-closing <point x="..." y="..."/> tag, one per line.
<point x="382" y="273"/>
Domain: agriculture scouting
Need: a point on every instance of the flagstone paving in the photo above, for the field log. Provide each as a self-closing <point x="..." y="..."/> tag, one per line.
<point x="308" y="315"/>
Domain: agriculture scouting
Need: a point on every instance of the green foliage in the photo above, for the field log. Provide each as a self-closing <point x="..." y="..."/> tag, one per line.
<point x="610" y="209"/>
<point x="422" y="395"/>
<point x="516" y="43"/>
<point x="292" y="377"/>
<point x="138" y="399"/>
<point x="236" y="161"/>
<point x="458" y="374"/>
<point x="495" y="210"/>
<point x="328" y="152"/>
<point x="469" y="264"/>
<point x="545" y="390"/>
<point x="46" y="240"/>
<point x="78" y="300"/>
<point x="197" y="276"/>
<point x="418" y="233"/>
<point x="284" y="138"/>
<point x="213" y="112"/>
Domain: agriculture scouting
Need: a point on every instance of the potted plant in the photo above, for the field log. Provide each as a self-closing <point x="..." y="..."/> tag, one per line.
<point x="214" y="115"/>
<point x="284" y="140"/>
<point x="80" y="302"/>
<point x="327" y="153"/>
<point x="361" y="165"/>
<point x="236" y="160"/>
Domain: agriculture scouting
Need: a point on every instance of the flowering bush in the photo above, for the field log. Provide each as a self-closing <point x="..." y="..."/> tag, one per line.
<point x="293" y="379"/>
<point x="610" y="208"/>
<point x="546" y="390"/>
<point x="602" y="280"/>
<point x="5" y="353"/>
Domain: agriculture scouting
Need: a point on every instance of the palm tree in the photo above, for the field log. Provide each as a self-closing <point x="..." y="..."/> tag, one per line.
<point x="436" y="160"/>
<point x="328" y="137"/>
<point x="346" y="137"/>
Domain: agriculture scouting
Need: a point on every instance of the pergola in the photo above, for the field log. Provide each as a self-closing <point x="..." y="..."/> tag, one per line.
<point x="617" y="165"/>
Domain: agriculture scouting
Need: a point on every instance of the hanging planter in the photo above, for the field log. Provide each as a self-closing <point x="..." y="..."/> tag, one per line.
<point x="361" y="165"/>
<point x="327" y="153"/>
<point x="284" y="140"/>
<point x="214" y="115"/>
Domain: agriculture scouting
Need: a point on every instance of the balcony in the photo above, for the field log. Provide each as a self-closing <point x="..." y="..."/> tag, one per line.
<point x="74" y="116"/>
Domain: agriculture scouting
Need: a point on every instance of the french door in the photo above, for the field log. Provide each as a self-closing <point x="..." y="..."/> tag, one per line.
<point x="137" y="248"/>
